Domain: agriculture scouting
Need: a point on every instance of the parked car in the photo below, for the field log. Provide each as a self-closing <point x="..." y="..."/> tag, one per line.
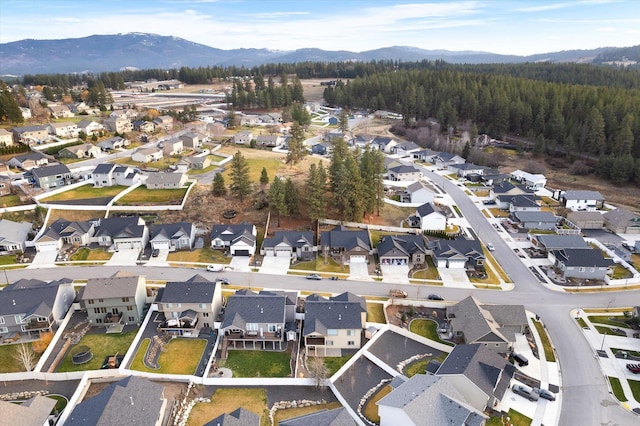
<point x="435" y="297"/>
<point x="488" y="202"/>
<point x="634" y="368"/>
<point x="155" y="252"/>
<point x="490" y="247"/>
<point x="222" y="281"/>
<point x="520" y="359"/>
<point x="397" y="293"/>
<point x="545" y="394"/>
<point x="314" y="277"/>
<point x="215" y="268"/>
<point x="525" y="391"/>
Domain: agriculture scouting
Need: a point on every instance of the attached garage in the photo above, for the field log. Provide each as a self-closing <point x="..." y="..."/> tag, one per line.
<point x="283" y="253"/>
<point x="48" y="246"/>
<point x="161" y="245"/>
<point x="358" y="258"/>
<point x="241" y="253"/>
<point x="456" y="264"/>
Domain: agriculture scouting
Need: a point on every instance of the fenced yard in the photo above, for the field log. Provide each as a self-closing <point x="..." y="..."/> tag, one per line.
<point x="101" y="345"/>
<point x="259" y="363"/>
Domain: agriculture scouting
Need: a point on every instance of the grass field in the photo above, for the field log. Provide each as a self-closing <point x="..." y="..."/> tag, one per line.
<point x="74" y="215"/>
<point x="635" y="389"/>
<point x="616" y="387"/>
<point x="203" y="255"/>
<point x="144" y="196"/>
<point x="8" y="364"/>
<point x="10" y="201"/>
<point x="546" y="342"/>
<point x="84" y="253"/>
<point x="428" y="329"/>
<point x="608" y="331"/>
<point x="319" y="265"/>
<point x="582" y="323"/>
<point x="179" y="356"/>
<point x="375" y="313"/>
<point x="259" y="363"/>
<point x="334" y="363"/>
<point x="226" y="400"/>
<point x="101" y="345"/>
<point x="599" y="319"/>
<point x="86" y="191"/>
<point x="518" y="419"/>
<point x="371" y="409"/>
<point x="431" y="273"/>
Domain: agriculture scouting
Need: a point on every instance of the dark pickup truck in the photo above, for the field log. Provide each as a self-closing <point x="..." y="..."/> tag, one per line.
<point x="634" y="368"/>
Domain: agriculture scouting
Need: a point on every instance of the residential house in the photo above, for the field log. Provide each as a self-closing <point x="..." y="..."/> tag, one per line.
<point x="550" y="242"/>
<point x="254" y="321"/>
<point x="425" y="155"/>
<point x="239" y="239"/>
<point x="587" y="264"/>
<point x="164" y="122"/>
<point x="291" y="303"/>
<point x="60" y="111"/>
<point x="430" y="217"/>
<point x="243" y="137"/>
<point x="405" y="149"/>
<point x="115" y="301"/>
<point x="478" y="373"/>
<point x="465" y="169"/>
<point x="443" y="160"/>
<point x="129" y="114"/>
<point x="29" y="160"/>
<point x="334" y="324"/>
<point x="63" y="232"/>
<point x="346" y="245"/>
<point x="269" y="141"/>
<point x="458" y="253"/>
<point x="494" y="326"/>
<point x="190" y="306"/>
<point x="172" y="146"/>
<point x="108" y="174"/>
<point x="622" y="221"/>
<point x="238" y="417"/>
<point x="427" y="397"/>
<point x="144" y="126"/>
<point x="132" y="400"/>
<point x="80" y="107"/>
<point x="405" y="173"/>
<point x="63" y="130"/>
<point x="115" y="142"/>
<point x="34" y="411"/>
<point x="333" y="135"/>
<point x="118" y="125"/>
<point x="13" y="235"/>
<point x="586" y="220"/>
<point x="523" y="203"/>
<point x="53" y="176"/>
<point x="30" y="135"/>
<point x="335" y="417"/>
<point x="6" y="138"/>
<point x="84" y="150"/>
<point x="581" y="200"/>
<point x="322" y="148"/>
<point x="5" y="185"/>
<point x="173" y="236"/>
<point x="402" y="250"/>
<point x="122" y="233"/>
<point x="535" y="220"/>
<point x="30" y="307"/>
<point x="362" y="141"/>
<point x="196" y="162"/>
<point x="89" y="127"/>
<point x="293" y="244"/>
<point x="533" y="181"/>
<point x="418" y="193"/>
<point x="506" y="190"/>
<point x="390" y="162"/>
<point x="147" y="155"/>
<point x="383" y="143"/>
<point x="166" y="180"/>
<point x="191" y="140"/>
<point x="491" y="178"/>
<point x="26" y="113"/>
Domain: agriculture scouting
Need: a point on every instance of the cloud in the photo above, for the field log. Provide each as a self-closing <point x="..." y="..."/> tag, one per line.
<point x="271" y="15"/>
<point x="606" y="29"/>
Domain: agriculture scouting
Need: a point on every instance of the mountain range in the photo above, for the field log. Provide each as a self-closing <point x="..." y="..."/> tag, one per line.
<point x="100" y="53"/>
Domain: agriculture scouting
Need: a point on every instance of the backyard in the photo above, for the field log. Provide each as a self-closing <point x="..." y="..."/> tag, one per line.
<point x="179" y="356"/>
<point x="375" y="313"/>
<point x="428" y="329"/>
<point x="86" y="192"/>
<point x="8" y="364"/>
<point x="334" y="363"/>
<point x="258" y="363"/>
<point x="371" y="409"/>
<point x="144" y="196"/>
<point x="101" y="345"/>
<point x="227" y="400"/>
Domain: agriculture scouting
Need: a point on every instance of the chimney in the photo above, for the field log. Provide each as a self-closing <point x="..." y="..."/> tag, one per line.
<point x="340" y="317"/>
<point x="14" y="302"/>
<point x="131" y="398"/>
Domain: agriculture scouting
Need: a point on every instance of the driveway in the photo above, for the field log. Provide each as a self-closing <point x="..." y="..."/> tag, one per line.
<point x="44" y="259"/>
<point x="395" y="274"/>
<point x="124" y="257"/>
<point x="240" y="263"/>
<point x="275" y="265"/>
<point x="159" y="260"/>
<point x="359" y="271"/>
<point x="455" y="277"/>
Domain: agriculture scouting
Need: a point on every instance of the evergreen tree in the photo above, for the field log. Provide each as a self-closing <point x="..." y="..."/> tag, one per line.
<point x="316" y="192"/>
<point x="264" y="178"/>
<point x="595" y="138"/>
<point x="291" y="198"/>
<point x="296" y="144"/>
<point x="218" y="187"/>
<point x="466" y="150"/>
<point x="9" y="109"/>
<point x="277" y="201"/>
<point x="240" y="182"/>
<point x="343" y="123"/>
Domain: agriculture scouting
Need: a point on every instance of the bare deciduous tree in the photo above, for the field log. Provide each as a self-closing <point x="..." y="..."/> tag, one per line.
<point x="25" y="355"/>
<point x="318" y="370"/>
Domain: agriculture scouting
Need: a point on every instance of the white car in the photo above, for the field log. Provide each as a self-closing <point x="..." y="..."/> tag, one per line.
<point x="215" y="268"/>
<point x="490" y="247"/>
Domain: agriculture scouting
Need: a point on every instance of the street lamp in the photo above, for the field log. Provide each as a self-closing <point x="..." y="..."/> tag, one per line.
<point x="604" y="335"/>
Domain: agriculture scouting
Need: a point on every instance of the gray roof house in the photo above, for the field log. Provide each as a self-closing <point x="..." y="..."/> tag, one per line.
<point x="478" y="373"/>
<point x="147" y="155"/>
<point x="418" y="193"/>
<point x="52" y="176"/>
<point x="429" y="397"/>
<point x="458" y="253"/>
<point x="239" y="239"/>
<point x="404" y="172"/>
<point x="254" y="321"/>
<point x="31" y="307"/>
<point x="587" y="264"/>
<point x="132" y="400"/>
<point x="548" y="242"/>
<point x="402" y="250"/>
<point x="587" y="220"/>
<point x="524" y="203"/>
<point x="333" y="325"/>
<point x="112" y="143"/>
<point x="115" y="301"/>
<point x="622" y="221"/>
<point x="535" y="220"/>
<point x="118" y="233"/>
<point x="335" y="417"/>
<point x="405" y="148"/>
<point x="13" y="235"/>
<point x="444" y="159"/>
<point x="32" y="412"/>
<point x="166" y="180"/>
<point x="346" y="245"/>
<point x="582" y="200"/>
<point x="464" y="169"/>
<point x="173" y="236"/>
<point x="294" y="244"/>
<point x="189" y="306"/>
<point x="494" y="326"/>
<point x="191" y="140"/>
<point x="63" y="232"/>
<point x="107" y="174"/>
<point x="430" y="217"/>
<point x="238" y="417"/>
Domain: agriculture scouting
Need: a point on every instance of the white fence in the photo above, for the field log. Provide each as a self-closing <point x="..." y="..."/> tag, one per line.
<point x="370" y="227"/>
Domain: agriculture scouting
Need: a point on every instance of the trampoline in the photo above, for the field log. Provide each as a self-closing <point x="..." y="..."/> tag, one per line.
<point x="81" y="355"/>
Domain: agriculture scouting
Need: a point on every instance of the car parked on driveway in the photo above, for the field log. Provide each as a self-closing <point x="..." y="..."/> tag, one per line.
<point x="215" y="268"/>
<point x="545" y="394"/>
<point x="525" y="391"/>
<point x="222" y="281"/>
<point x="634" y="368"/>
<point x="155" y="252"/>
<point x="314" y="277"/>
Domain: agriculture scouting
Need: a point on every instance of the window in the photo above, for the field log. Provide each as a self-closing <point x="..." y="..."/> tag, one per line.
<point x="90" y="301"/>
<point x="351" y="343"/>
<point x="167" y="305"/>
<point x="329" y="342"/>
<point x="4" y="330"/>
<point x="178" y="305"/>
<point x="272" y="328"/>
<point x="1" y="320"/>
<point x="581" y="269"/>
<point x="18" y="319"/>
<point x="331" y="332"/>
<point x="125" y="299"/>
<point x="129" y="308"/>
<point x="205" y="314"/>
<point x="202" y="305"/>
<point x="252" y="327"/>
<point x="132" y="319"/>
<point x="350" y="333"/>
<point x="101" y="300"/>
<point x="98" y="320"/>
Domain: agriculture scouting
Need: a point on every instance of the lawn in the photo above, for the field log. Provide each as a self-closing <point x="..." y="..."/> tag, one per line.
<point x="371" y="409"/>
<point x="518" y="419"/>
<point x="635" y="389"/>
<point x="620" y="272"/>
<point x="7" y="363"/>
<point x="375" y="313"/>
<point x="582" y="322"/>
<point x="431" y="273"/>
<point x="203" y="255"/>
<point x="259" y="363"/>
<point x="617" y="389"/>
<point x="376" y="236"/>
<point x="319" y="265"/>
<point x="496" y="212"/>
<point x="334" y="363"/>
<point x="290" y="413"/>
<point x="10" y="201"/>
<point x="420" y="366"/>
<point x="74" y="215"/>
<point x="428" y="329"/>
<point x="226" y="400"/>
<point x="598" y="319"/>
<point x="84" y="253"/>
<point x="608" y="331"/>
<point x="8" y="259"/>
<point x="144" y="196"/>
<point x="273" y="165"/>
<point x="86" y="191"/>
<point x="546" y="342"/>
<point x="179" y="356"/>
<point x="101" y="345"/>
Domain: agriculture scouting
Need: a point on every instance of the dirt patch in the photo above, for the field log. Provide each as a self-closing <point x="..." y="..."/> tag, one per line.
<point x="171" y="389"/>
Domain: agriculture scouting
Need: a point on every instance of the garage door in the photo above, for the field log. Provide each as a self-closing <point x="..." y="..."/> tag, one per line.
<point x="161" y="246"/>
<point x="48" y="246"/>
<point x="241" y="253"/>
<point x="458" y="264"/>
<point x="283" y="253"/>
<point x="360" y="258"/>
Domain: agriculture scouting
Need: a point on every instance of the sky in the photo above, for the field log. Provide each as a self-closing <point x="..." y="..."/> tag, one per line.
<point x="497" y="26"/>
